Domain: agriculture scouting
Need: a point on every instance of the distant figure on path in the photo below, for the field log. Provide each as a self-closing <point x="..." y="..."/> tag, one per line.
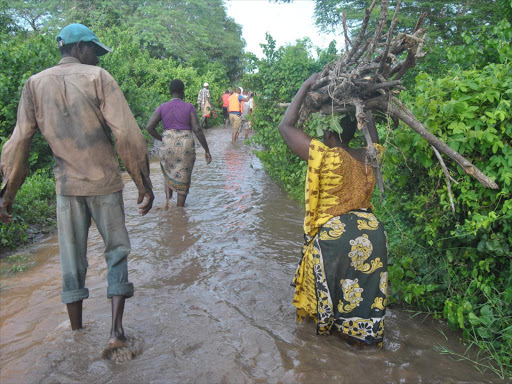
<point x="178" y="149"/>
<point x="77" y="106"/>
<point x="204" y="105"/>
<point x="225" y="104"/>
<point x="341" y="280"/>
<point x="235" y="113"/>
<point x="246" y="112"/>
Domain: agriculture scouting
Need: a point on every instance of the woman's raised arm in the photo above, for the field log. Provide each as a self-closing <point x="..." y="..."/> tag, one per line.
<point x="297" y="140"/>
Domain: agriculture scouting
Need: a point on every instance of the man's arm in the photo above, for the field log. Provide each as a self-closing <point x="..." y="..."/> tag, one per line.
<point x="241" y="99"/>
<point x="130" y="143"/>
<point x="15" y="152"/>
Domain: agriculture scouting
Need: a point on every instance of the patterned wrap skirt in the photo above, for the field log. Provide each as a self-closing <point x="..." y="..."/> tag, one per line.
<point x="177" y="158"/>
<point x="342" y="277"/>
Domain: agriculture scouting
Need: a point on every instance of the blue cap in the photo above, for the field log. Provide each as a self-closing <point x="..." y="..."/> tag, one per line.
<point x="74" y="33"/>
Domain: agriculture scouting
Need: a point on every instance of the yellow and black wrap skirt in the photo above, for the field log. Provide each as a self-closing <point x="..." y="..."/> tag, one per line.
<point x="342" y="277"/>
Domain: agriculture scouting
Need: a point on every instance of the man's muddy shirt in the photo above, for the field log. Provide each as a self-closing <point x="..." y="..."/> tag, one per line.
<point x="78" y="108"/>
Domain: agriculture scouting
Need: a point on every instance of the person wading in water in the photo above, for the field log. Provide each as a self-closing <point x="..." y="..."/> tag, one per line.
<point x="178" y="149"/>
<point x="341" y="280"/>
<point x="204" y="104"/>
<point x="235" y="112"/>
<point x="78" y="106"/>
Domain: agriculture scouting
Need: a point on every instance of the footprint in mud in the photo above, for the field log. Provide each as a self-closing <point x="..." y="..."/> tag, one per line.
<point x="123" y="354"/>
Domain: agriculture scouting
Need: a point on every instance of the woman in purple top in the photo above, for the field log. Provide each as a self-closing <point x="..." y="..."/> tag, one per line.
<point x="178" y="151"/>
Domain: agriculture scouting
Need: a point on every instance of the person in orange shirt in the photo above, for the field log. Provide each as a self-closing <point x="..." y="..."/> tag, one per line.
<point x="235" y="112"/>
<point x="225" y="103"/>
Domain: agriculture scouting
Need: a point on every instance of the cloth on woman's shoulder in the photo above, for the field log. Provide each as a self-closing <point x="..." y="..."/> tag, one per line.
<point x="336" y="183"/>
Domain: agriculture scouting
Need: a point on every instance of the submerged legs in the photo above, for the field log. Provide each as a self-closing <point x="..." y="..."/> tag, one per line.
<point x="181" y="200"/>
<point x="117" y="337"/>
<point x="168" y="197"/>
<point x="75" y="314"/>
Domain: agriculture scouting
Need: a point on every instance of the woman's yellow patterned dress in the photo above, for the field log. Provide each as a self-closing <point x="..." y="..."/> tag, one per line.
<point x="341" y="279"/>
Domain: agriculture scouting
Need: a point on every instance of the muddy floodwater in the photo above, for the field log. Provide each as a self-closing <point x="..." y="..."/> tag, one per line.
<point x="212" y="301"/>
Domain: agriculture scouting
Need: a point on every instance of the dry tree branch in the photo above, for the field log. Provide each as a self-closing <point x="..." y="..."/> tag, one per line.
<point x="362" y="32"/>
<point x="367" y="77"/>
<point x="447" y="176"/>
<point x="384" y="59"/>
<point x="378" y="31"/>
<point x="420" y="21"/>
<point x="348" y="43"/>
<point x="408" y="118"/>
<point x="387" y="84"/>
<point x="361" y="52"/>
<point x="372" y="154"/>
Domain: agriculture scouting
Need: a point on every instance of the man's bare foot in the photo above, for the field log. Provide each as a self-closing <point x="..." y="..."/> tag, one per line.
<point x="166" y="206"/>
<point x="122" y="354"/>
<point x="117" y="343"/>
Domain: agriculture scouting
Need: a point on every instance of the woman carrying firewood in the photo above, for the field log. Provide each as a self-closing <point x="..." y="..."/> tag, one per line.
<point x="341" y="280"/>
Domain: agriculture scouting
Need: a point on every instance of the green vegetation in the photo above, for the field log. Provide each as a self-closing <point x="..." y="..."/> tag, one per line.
<point x="33" y="211"/>
<point x="458" y="263"/>
<point x="14" y="264"/>
<point x="280" y="74"/>
<point x="152" y="44"/>
<point x="446" y="20"/>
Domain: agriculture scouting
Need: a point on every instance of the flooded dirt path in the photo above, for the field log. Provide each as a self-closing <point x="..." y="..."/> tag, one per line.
<point x="212" y="301"/>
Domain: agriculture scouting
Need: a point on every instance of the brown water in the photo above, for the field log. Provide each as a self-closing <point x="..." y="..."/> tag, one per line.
<point x="213" y="299"/>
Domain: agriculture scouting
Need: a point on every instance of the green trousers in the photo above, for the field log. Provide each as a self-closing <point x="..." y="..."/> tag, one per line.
<point x="74" y="215"/>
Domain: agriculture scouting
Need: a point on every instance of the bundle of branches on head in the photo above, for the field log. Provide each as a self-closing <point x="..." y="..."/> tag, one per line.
<point x="367" y="79"/>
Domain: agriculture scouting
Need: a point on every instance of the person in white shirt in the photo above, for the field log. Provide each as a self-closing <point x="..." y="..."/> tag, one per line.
<point x="246" y="112"/>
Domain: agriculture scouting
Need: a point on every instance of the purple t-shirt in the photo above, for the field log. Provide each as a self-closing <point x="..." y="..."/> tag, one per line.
<point x="175" y="114"/>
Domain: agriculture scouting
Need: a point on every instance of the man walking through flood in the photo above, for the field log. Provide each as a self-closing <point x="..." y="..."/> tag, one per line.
<point x="204" y="105"/>
<point x="235" y="112"/>
<point x="78" y="107"/>
<point x="224" y="100"/>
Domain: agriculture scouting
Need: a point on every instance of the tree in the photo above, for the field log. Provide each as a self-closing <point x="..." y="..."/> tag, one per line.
<point x="445" y="19"/>
<point x="188" y="31"/>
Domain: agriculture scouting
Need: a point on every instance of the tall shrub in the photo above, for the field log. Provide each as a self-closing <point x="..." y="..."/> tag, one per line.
<point x="279" y="76"/>
<point x="458" y="264"/>
<point x="21" y="56"/>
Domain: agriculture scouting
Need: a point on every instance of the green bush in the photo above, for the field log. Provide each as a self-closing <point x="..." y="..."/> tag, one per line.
<point x="33" y="211"/>
<point x="145" y="80"/>
<point x="280" y="75"/>
<point x="21" y="56"/>
<point x="456" y="264"/>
